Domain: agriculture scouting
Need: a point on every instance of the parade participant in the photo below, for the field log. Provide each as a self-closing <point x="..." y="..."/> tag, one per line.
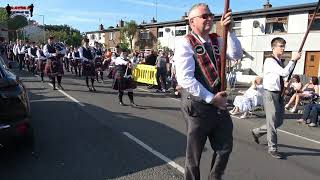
<point x="54" y="66"/>
<point x="88" y="70"/>
<point x="273" y="84"/>
<point x="32" y="54"/>
<point x="98" y="61"/>
<point x="197" y="61"/>
<point x="27" y="60"/>
<point x="66" y="59"/>
<point x="20" y="53"/>
<point x="41" y="62"/>
<point x="76" y="61"/>
<point x="122" y="78"/>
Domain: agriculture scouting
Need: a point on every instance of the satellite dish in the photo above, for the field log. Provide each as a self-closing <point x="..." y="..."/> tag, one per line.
<point x="167" y="30"/>
<point x="256" y="24"/>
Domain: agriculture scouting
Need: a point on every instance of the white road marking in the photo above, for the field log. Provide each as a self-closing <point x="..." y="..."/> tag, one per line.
<point x="143" y="89"/>
<point x="70" y="97"/>
<point x="156" y="153"/>
<point x="292" y="134"/>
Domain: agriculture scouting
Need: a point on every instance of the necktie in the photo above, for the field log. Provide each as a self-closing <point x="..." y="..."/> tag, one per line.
<point x="208" y="48"/>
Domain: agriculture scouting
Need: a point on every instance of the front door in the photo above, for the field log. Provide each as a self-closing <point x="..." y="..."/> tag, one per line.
<point x="311" y="67"/>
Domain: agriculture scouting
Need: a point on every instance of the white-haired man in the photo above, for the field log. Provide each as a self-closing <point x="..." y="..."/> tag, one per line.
<point x="197" y="61"/>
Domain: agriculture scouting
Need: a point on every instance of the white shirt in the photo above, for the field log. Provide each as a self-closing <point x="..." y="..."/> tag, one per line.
<point x="39" y="55"/>
<point x="81" y="53"/>
<point x="29" y="52"/>
<point x="185" y="65"/>
<point x="46" y="51"/>
<point x="120" y="61"/>
<point x="272" y="72"/>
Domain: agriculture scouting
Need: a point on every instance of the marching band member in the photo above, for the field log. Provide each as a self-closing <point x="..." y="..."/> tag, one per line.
<point x="41" y="62"/>
<point x="54" y="67"/>
<point x="122" y="78"/>
<point x="98" y="61"/>
<point x="87" y="63"/>
<point x="32" y="54"/>
<point x="76" y="61"/>
<point x="19" y="52"/>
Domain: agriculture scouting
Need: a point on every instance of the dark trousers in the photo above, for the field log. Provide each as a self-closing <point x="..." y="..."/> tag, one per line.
<point x="311" y="111"/>
<point x="161" y="78"/>
<point x="206" y="121"/>
<point x="21" y="61"/>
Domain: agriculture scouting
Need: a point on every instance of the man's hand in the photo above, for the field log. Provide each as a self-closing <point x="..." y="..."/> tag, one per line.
<point x="296" y="56"/>
<point x="220" y="100"/>
<point x="226" y="19"/>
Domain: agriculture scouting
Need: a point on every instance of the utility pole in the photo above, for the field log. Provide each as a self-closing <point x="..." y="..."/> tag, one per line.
<point x="156" y="10"/>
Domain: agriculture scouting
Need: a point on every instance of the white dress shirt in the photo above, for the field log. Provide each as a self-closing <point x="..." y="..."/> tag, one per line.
<point x="120" y="61"/>
<point x="185" y="65"/>
<point x="81" y="53"/>
<point x="272" y="72"/>
<point x="39" y="55"/>
<point x="29" y="53"/>
<point x="46" y="52"/>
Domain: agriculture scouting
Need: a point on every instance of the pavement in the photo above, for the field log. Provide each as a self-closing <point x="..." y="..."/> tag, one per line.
<point x="81" y="135"/>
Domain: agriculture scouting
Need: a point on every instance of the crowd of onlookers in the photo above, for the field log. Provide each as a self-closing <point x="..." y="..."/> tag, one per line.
<point x="296" y="95"/>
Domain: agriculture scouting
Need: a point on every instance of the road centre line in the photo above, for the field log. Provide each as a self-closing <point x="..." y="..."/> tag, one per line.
<point x="68" y="96"/>
<point x="154" y="152"/>
<point x="286" y="132"/>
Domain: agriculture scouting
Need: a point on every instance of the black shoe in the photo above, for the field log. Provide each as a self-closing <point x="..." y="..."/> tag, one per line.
<point x="276" y="154"/>
<point x="133" y="104"/>
<point x="90" y="89"/>
<point x="255" y="137"/>
<point x="54" y="88"/>
<point x="60" y="87"/>
<point x="94" y="89"/>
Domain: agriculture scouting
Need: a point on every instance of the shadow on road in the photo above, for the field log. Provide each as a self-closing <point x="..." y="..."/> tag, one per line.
<point x="73" y="142"/>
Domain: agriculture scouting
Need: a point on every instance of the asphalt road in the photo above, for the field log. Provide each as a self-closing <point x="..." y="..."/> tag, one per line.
<point x="81" y="135"/>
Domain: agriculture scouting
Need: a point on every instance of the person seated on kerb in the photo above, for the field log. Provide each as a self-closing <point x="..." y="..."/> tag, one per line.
<point x="250" y="99"/>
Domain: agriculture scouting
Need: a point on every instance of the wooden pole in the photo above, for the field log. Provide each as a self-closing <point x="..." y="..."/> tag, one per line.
<point x="305" y="37"/>
<point x="224" y="48"/>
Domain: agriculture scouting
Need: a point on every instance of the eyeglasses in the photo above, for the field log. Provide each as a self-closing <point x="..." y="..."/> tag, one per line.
<point x="205" y="16"/>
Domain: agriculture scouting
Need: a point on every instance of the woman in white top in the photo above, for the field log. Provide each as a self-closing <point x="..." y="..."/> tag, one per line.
<point x="251" y="98"/>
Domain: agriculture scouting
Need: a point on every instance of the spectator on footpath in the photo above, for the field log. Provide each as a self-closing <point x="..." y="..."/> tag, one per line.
<point x="250" y="99"/>
<point x="161" y="76"/>
<point x="151" y="58"/>
<point x="312" y="112"/>
<point x="307" y="92"/>
<point x="295" y="85"/>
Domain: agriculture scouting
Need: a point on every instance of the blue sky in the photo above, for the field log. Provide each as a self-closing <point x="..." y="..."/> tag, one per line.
<point x="86" y="15"/>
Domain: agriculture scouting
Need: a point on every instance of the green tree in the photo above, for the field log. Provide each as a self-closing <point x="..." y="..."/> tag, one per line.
<point x="3" y="15"/>
<point x="17" y="22"/>
<point x="129" y="31"/>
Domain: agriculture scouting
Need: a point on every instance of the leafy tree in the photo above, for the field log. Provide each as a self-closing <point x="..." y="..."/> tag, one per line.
<point x="129" y="31"/>
<point x="17" y="22"/>
<point x="3" y="15"/>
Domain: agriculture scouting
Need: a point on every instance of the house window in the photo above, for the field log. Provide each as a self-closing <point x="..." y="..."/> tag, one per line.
<point x="93" y="36"/>
<point x="237" y="28"/>
<point x="110" y="36"/>
<point x="277" y="24"/>
<point x="316" y="23"/>
<point x="286" y="56"/>
<point x="145" y="34"/>
<point x="99" y="36"/>
<point x="160" y="34"/>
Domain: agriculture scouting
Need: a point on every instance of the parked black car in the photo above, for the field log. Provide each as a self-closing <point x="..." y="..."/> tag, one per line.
<point x="14" y="108"/>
